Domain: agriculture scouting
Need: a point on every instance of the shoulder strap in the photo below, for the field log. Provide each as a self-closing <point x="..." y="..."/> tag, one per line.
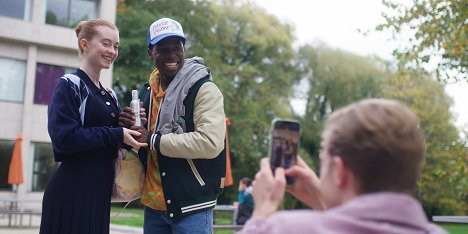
<point x="81" y="91"/>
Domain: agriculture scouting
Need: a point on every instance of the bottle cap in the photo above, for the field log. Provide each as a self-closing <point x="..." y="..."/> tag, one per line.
<point x="134" y="94"/>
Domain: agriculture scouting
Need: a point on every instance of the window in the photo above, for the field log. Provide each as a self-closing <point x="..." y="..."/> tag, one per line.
<point x="69" y="12"/>
<point x="6" y="150"/>
<point x="12" y="76"/>
<point x="47" y="77"/>
<point x="43" y="166"/>
<point x="19" y="9"/>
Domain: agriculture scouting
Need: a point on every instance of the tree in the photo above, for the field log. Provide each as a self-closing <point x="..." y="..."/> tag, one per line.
<point x="336" y="78"/>
<point x="442" y="187"/>
<point x="248" y="51"/>
<point x="133" y="67"/>
<point x="437" y="32"/>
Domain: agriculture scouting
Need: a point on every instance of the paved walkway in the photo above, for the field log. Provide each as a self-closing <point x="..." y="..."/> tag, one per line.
<point x="36" y="220"/>
<point x="114" y="229"/>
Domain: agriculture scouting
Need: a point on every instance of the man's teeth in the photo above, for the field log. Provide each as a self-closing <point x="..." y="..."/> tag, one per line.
<point x="170" y="64"/>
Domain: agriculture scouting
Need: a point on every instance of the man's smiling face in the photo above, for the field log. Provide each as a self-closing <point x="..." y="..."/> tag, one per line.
<point x="168" y="56"/>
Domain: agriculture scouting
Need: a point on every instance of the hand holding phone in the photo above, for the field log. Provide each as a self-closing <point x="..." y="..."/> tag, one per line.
<point x="284" y="145"/>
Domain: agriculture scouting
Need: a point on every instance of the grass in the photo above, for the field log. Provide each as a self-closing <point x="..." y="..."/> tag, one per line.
<point x="134" y="217"/>
<point x="455" y="228"/>
<point x="129" y="216"/>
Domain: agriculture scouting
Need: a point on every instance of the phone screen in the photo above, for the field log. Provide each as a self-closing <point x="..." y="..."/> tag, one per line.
<point x="285" y="137"/>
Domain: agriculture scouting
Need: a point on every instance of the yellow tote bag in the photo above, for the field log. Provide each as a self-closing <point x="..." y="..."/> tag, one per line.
<point x="129" y="177"/>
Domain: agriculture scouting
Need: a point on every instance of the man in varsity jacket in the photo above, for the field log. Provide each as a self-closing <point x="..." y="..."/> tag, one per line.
<point x="185" y="132"/>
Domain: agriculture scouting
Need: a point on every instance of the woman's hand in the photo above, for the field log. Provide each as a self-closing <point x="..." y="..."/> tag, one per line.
<point x="268" y="189"/>
<point x="128" y="135"/>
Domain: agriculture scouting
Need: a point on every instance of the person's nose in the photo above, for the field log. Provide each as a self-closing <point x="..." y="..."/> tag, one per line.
<point x="114" y="51"/>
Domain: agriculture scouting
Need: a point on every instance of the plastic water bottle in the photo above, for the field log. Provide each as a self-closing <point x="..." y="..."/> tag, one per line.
<point x="135" y="105"/>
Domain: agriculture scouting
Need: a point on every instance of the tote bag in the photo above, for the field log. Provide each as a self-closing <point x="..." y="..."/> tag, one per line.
<point x="129" y="177"/>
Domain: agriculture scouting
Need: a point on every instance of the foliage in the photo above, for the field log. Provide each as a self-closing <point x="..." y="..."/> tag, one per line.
<point x="255" y="74"/>
<point x="437" y="32"/>
<point x="253" y="63"/>
<point x="335" y="78"/>
<point x="443" y="185"/>
<point x="253" y="70"/>
<point x="133" y="66"/>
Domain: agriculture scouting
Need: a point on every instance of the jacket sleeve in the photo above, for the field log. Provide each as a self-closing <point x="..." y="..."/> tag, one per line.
<point x="64" y="124"/>
<point x="207" y="141"/>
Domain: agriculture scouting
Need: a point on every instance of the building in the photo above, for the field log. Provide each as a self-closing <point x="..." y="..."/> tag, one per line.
<point x="37" y="45"/>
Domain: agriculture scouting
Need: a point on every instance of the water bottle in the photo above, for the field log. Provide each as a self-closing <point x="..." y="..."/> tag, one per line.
<point x="135" y="105"/>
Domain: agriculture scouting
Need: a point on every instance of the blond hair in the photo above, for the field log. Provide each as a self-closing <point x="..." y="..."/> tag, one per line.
<point x="380" y="141"/>
<point x="88" y="29"/>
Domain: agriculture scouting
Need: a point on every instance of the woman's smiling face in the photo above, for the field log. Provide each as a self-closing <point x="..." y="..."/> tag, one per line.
<point x="103" y="48"/>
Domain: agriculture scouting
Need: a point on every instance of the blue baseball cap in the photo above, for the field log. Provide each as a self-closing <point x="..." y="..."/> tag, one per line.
<point x="163" y="28"/>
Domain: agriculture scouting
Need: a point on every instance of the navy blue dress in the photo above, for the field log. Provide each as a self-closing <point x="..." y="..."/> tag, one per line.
<point x="77" y="198"/>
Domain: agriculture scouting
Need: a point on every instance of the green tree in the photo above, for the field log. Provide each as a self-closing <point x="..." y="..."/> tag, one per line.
<point x="437" y="31"/>
<point x="335" y="78"/>
<point x="248" y="51"/>
<point x="442" y="187"/>
<point x="133" y="66"/>
<point x="251" y="53"/>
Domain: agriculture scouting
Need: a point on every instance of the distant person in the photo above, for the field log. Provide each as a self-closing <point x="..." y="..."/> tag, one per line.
<point x="245" y="203"/>
<point x="186" y="165"/>
<point x="371" y="159"/>
<point x="83" y="125"/>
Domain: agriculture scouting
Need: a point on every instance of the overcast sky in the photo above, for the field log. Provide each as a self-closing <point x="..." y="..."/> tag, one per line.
<point x="336" y="22"/>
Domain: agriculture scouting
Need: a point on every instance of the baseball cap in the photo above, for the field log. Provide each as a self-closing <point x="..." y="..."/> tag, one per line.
<point x="163" y="28"/>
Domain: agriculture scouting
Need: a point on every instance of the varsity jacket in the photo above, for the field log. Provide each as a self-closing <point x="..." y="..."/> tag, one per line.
<point x="192" y="164"/>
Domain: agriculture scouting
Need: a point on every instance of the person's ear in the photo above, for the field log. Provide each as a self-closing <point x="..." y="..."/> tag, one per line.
<point x="150" y="50"/>
<point x="340" y="172"/>
<point x="84" y="45"/>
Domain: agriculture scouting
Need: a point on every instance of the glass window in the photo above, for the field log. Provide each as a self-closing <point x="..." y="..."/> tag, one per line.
<point x="18" y="9"/>
<point x="69" y="12"/>
<point x="47" y="77"/>
<point x="12" y="76"/>
<point x="6" y="150"/>
<point x="43" y="166"/>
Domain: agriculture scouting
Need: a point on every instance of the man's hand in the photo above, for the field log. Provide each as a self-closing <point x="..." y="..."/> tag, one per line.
<point x="143" y="133"/>
<point x="306" y="188"/>
<point x="128" y="138"/>
<point x="127" y="117"/>
<point x="268" y="190"/>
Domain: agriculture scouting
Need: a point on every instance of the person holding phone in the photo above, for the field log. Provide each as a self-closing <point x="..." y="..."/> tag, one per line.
<point x="372" y="153"/>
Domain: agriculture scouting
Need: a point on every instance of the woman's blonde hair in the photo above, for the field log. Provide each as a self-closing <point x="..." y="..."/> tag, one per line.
<point x="88" y="29"/>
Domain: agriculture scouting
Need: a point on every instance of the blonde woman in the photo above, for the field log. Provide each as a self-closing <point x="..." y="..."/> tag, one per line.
<point x="83" y="126"/>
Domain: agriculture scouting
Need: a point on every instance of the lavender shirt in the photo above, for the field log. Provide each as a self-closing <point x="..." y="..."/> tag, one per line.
<point x="371" y="213"/>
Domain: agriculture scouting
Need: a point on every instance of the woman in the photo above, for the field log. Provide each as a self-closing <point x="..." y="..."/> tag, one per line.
<point x="83" y="126"/>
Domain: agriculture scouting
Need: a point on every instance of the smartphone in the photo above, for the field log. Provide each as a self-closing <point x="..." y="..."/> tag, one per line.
<point x="285" y="136"/>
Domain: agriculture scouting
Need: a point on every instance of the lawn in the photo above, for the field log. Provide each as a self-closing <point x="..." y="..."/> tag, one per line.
<point x="128" y="217"/>
<point x="455" y="228"/>
<point x="134" y="217"/>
